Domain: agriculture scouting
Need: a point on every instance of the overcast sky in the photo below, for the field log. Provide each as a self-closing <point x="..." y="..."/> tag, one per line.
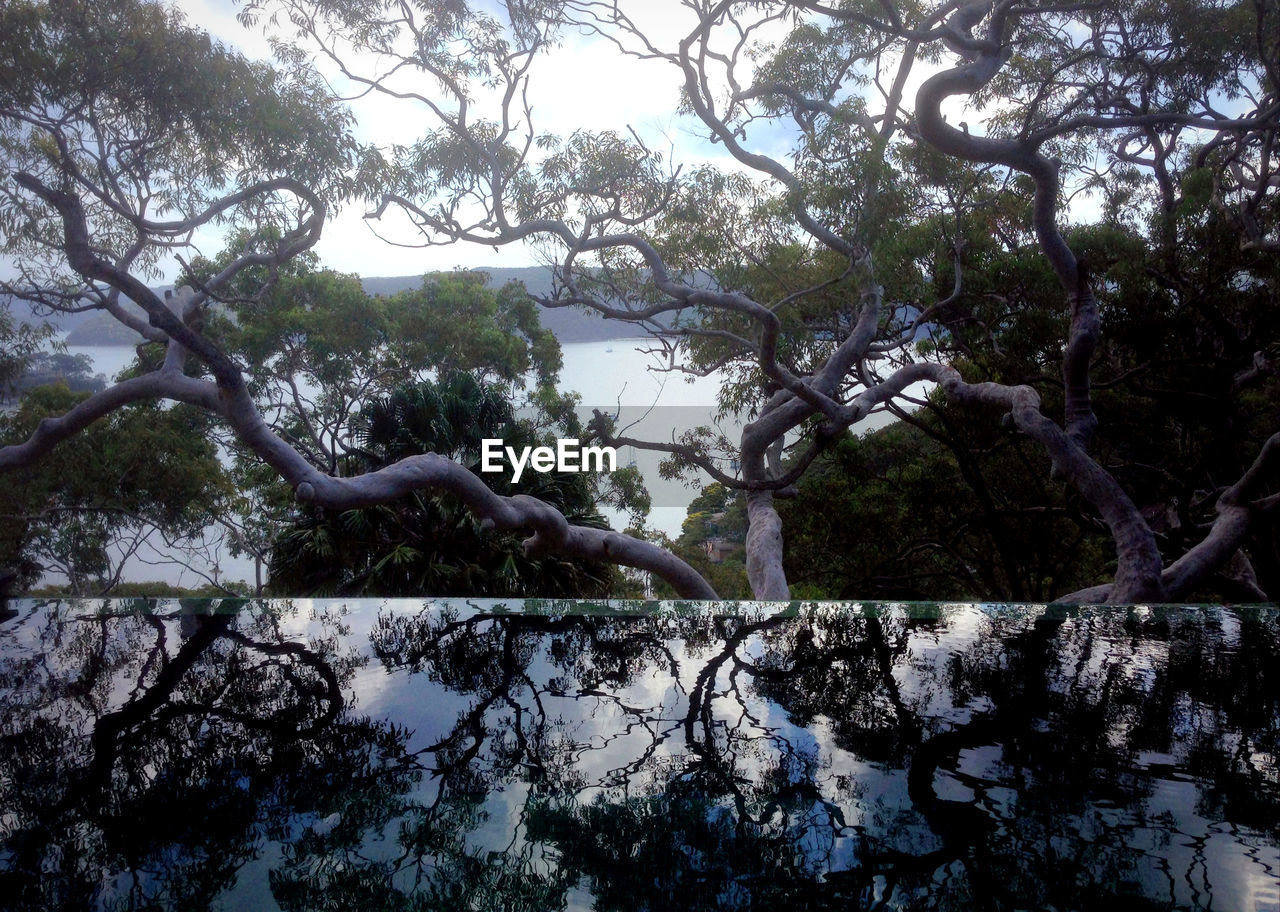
<point x="584" y="83"/>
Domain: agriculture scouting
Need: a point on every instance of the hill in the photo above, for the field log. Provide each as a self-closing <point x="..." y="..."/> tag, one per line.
<point x="568" y="324"/>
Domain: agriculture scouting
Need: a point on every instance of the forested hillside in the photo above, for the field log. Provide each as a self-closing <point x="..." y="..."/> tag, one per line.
<point x="568" y="324"/>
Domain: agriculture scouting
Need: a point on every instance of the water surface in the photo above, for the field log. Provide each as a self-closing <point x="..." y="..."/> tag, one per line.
<point x="453" y="754"/>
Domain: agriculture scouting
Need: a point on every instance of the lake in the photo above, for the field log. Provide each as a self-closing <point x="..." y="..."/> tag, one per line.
<point x="449" y="754"/>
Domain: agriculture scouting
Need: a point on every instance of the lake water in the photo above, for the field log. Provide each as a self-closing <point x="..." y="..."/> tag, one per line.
<point x="614" y="375"/>
<point x="569" y="756"/>
<point x="602" y="372"/>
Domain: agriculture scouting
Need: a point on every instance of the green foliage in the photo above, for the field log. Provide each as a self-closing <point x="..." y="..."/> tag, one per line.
<point x="144" y="467"/>
<point x="74" y="371"/>
<point x="20" y="344"/>
<point x="148" y="590"/>
<point x="167" y="112"/>
<point x="320" y="328"/>
<point x="455" y="323"/>
<point x="425" y="543"/>
<point x="157" y="82"/>
<point x="923" y="519"/>
<point x="961" y="506"/>
<point x="1186" y="309"/>
<point x="628" y="178"/>
<point x="322" y="354"/>
<point x="712" y="542"/>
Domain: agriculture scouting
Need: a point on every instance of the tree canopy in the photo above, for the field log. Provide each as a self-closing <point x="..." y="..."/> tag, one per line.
<point x="904" y="202"/>
<point x="143" y="473"/>
<point x="421" y="543"/>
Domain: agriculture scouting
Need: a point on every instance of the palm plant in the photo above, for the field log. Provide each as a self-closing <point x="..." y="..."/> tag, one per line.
<point x="430" y="544"/>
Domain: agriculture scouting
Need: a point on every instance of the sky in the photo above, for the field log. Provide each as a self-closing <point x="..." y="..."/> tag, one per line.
<point x="584" y="83"/>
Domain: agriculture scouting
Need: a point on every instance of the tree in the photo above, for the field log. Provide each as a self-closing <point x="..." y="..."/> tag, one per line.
<point x="19" y="345"/>
<point x="790" y="273"/>
<point x="69" y="210"/>
<point x="141" y="474"/>
<point x="73" y="371"/>
<point x="317" y="349"/>
<point x="967" y="499"/>
<point x="711" y="540"/>
<point x="328" y="364"/>
<point x="968" y="516"/>
<point x="1071" y="96"/>
<point x="422" y="543"/>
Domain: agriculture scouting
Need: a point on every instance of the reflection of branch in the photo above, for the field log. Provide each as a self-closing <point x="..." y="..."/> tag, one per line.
<point x="157" y="702"/>
<point x="109" y="729"/>
<point x="333" y="698"/>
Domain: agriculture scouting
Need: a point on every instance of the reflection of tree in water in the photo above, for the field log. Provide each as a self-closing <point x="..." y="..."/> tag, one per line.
<point x="959" y="762"/>
<point x="148" y="756"/>
<point x="831" y="760"/>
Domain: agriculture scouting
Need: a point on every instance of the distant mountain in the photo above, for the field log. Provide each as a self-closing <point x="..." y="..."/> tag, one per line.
<point x="569" y="324"/>
<point x="536" y="278"/>
<point x="100" y="328"/>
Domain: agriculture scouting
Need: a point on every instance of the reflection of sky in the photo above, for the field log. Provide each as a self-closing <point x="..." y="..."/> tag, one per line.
<point x="1218" y="858"/>
<point x="1177" y="847"/>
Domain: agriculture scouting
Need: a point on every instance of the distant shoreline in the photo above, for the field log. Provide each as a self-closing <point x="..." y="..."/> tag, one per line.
<point x="567" y="324"/>
<point x="70" y="340"/>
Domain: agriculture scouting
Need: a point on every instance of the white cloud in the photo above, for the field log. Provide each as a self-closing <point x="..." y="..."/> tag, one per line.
<point x="585" y="82"/>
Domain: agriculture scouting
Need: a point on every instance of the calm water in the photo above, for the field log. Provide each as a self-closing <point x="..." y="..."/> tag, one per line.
<point x="487" y="755"/>
<point x="602" y="372"/>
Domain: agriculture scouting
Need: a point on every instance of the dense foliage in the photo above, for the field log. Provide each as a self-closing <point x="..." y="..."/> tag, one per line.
<point x="421" y="543"/>
<point x="1184" y="393"/>
<point x="145" y="474"/>
<point x="1050" y="256"/>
